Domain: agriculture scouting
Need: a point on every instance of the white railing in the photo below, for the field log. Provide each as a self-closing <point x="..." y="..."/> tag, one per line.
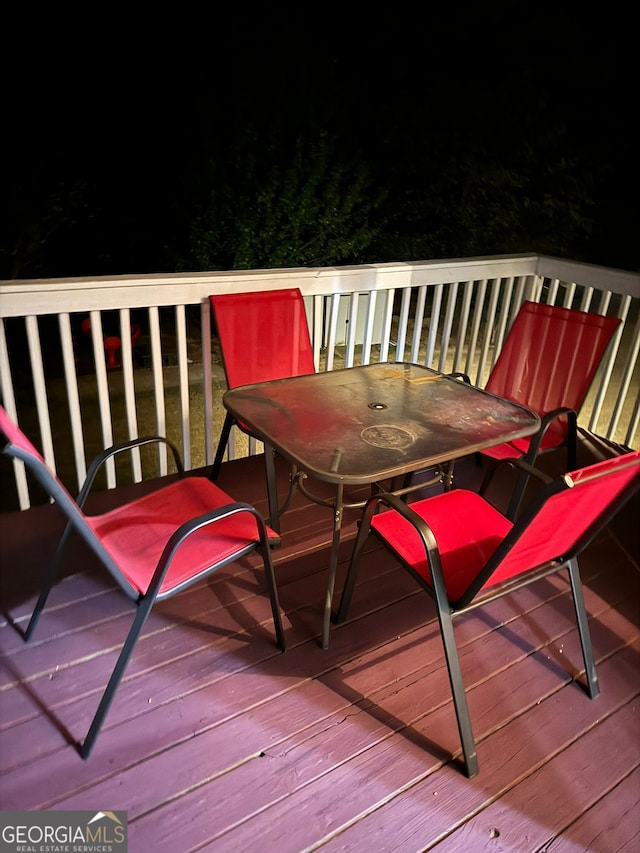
<point x="452" y="315"/>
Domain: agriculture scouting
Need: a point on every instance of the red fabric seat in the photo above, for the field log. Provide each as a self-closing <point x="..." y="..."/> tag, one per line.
<point x="153" y="546"/>
<point x="461" y="550"/>
<point x="136" y="534"/>
<point x="468" y="531"/>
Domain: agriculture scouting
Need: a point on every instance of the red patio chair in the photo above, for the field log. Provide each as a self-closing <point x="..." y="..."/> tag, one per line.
<point x="464" y="552"/>
<point x="263" y="335"/>
<point x="547" y="363"/>
<point x="154" y="546"/>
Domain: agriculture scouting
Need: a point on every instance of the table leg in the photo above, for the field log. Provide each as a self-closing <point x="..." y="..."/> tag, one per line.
<point x="333" y="564"/>
<point x="272" y="488"/>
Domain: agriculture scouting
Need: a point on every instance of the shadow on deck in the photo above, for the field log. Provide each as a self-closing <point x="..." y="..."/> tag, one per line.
<point x="216" y="741"/>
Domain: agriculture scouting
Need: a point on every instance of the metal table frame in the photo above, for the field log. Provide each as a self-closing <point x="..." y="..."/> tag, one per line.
<point x="368" y="425"/>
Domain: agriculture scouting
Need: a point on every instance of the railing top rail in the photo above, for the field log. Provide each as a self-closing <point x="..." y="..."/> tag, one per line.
<point x="50" y="296"/>
<point x="590" y="275"/>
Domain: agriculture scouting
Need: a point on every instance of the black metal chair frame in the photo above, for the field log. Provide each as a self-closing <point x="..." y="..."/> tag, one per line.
<point x="448" y="610"/>
<point x="143" y="602"/>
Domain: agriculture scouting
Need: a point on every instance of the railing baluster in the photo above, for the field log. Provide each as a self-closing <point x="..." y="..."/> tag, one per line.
<point x="475" y="330"/>
<point x="448" y="325"/>
<point x="207" y="378"/>
<point x="387" y="325"/>
<point x="467" y="294"/>
<point x="607" y="369"/>
<point x="126" y="351"/>
<point x="183" y="383"/>
<point x="487" y="337"/>
<point x="625" y="383"/>
<point x="9" y="402"/>
<point x="40" y="390"/>
<point x="352" y="329"/>
<point x="158" y="385"/>
<point x="433" y="325"/>
<point x="73" y="398"/>
<point x="506" y="291"/>
<point x="102" y="384"/>
<point x="417" y="324"/>
<point x="403" y="322"/>
<point x="334" y="308"/>
<point x="367" y="340"/>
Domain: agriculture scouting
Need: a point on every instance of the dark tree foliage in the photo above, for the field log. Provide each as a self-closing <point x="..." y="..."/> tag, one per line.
<point x="268" y="207"/>
<point x="283" y="141"/>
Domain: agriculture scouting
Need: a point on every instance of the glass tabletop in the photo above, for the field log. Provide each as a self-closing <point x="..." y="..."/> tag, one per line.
<point x="366" y="423"/>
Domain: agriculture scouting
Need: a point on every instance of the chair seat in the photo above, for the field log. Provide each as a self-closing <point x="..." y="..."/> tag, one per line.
<point x="136" y="534"/>
<point x="468" y="531"/>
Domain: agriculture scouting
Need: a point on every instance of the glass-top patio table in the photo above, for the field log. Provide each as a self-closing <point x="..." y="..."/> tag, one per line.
<point x="368" y="424"/>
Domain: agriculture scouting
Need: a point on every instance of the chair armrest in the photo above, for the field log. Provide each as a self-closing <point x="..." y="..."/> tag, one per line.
<point x="106" y="454"/>
<point x="429" y="541"/>
<point x="520" y="464"/>
<point x="192" y="526"/>
<point x="405" y="510"/>
<point x="545" y="423"/>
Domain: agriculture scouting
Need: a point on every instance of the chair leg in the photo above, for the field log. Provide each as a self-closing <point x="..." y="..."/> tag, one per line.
<point x="142" y="613"/>
<point x="50" y="579"/>
<point x="272" y="488"/>
<point x="458" y="692"/>
<point x="273" y="595"/>
<point x="222" y="446"/>
<point x="517" y="496"/>
<point x="593" y="688"/>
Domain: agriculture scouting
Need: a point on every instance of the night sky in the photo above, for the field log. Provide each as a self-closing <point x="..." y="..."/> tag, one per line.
<point x="129" y="110"/>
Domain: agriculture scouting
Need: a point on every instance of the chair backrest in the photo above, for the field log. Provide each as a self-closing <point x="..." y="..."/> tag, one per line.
<point x="263" y="335"/>
<point x="16" y="437"/>
<point x="18" y="446"/>
<point x="562" y="519"/>
<point x="550" y="356"/>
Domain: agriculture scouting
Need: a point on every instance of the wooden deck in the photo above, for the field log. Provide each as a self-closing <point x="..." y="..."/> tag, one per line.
<point x="218" y="742"/>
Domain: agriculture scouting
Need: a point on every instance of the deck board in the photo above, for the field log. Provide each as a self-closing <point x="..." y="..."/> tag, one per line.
<point x="596" y="759"/>
<point x="610" y="824"/>
<point x="427" y="810"/>
<point x="217" y="741"/>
